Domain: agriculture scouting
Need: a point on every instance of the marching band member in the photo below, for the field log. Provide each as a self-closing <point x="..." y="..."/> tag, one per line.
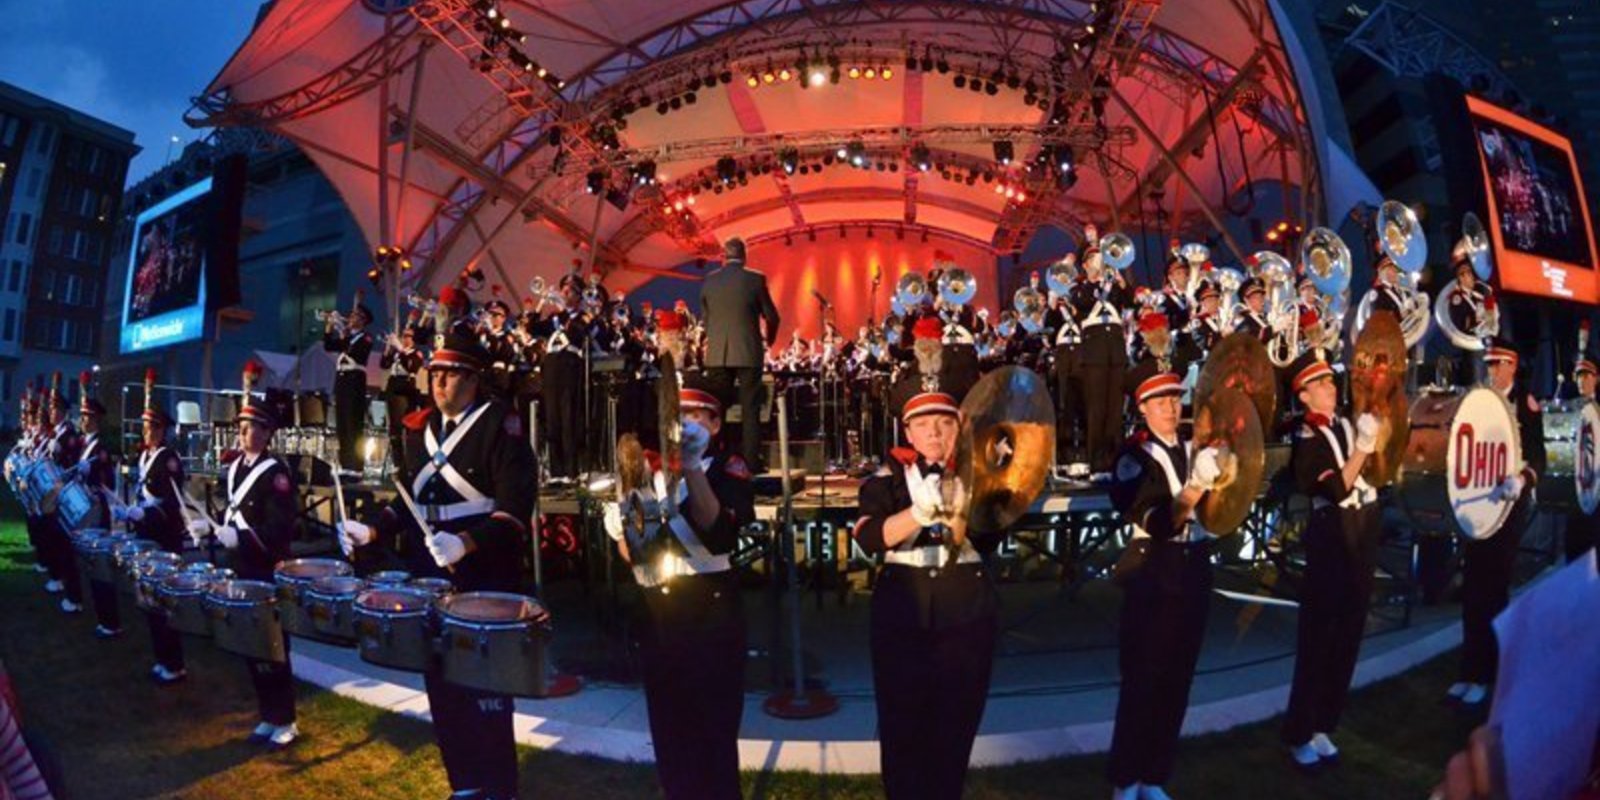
<point x="1487" y="564"/>
<point x="63" y="446"/>
<point x="354" y="345"/>
<point x="565" y="333"/>
<point x="1166" y="577"/>
<point x="1252" y="319"/>
<point x="470" y="470"/>
<point x="934" y="609"/>
<point x="404" y="361"/>
<point x="256" y="529"/>
<point x="1470" y="303"/>
<point x="1207" y="322"/>
<point x="97" y="469"/>
<point x="1070" y="417"/>
<point x="31" y="441"/>
<point x="1341" y="541"/>
<point x="157" y="516"/>
<point x="1174" y="299"/>
<point x="693" y="645"/>
<point x="501" y="346"/>
<point x="1580" y="533"/>
<point x="1385" y="291"/>
<point x="1098" y="302"/>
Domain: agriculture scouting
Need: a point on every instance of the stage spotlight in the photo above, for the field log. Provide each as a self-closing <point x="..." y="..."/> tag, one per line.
<point x="768" y="76"/>
<point x="1013" y="81"/>
<point x="662" y="107"/>
<point x="920" y="157"/>
<point x="677" y="103"/>
<point x="691" y="98"/>
<point x="856" y="151"/>
<point x="990" y="89"/>
<point x="855" y="72"/>
<point x="943" y="66"/>
<point x="1004" y="151"/>
<point x="870" y="73"/>
<point x="790" y="159"/>
<point x="694" y="84"/>
<point x="752" y="81"/>
<point x="644" y="173"/>
<point x="785" y="75"/>
<point x="1064" y="158"/>
<point x="726" y="77"/>
<point x="726" y="169"/>
<point x="886" y="73"/>
<point x="927" y="60"/>
<point x="595" y="181"/>
<point x="817" y="77"/>
<point x="961" y="81"/>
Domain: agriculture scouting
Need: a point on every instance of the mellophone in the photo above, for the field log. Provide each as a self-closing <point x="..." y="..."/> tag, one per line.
<point x="492" y="641"/>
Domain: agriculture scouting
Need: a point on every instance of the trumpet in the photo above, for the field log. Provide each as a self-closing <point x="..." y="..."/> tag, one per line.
<point x="331" y="316"/>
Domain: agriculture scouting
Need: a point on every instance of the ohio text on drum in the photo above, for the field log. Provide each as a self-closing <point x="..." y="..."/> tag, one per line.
<point x="1166" y="578"/>
<point x="472" y="473"/>
<point x="693" y="642"/>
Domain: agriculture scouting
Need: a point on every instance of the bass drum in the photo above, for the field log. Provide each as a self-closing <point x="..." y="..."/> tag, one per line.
<point x="1571" y="482"/>
<point x="1461" y="447"/>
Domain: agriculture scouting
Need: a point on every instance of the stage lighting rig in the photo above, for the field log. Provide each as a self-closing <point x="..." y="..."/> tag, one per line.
<point x="920" y="157"/>
<point x="790" y="159"/>
<point x="595" y="181"/>
<point x="1004" y="151"/>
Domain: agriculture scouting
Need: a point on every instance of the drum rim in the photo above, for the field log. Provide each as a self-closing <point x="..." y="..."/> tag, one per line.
<point x="427" y="599"/>
<point x="377" y="578"/>
<point x="442" y="604"/>
<point x="324" y="594"/>
<point x="278" y="573"/>
<point x="270" y="598"/>
<point x="447" y="588"/>
<point x="168" y="584"/>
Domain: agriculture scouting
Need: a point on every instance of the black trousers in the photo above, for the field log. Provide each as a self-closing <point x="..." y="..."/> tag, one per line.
<point x="1162" y="626"/>
<point x="1580" y="535"/>
<point x="1486" y="569"/>
<point x="39" y="554"/>
<point x="350" y="416"/>
<point x="60" y="557"/>
<point x="475" y="738"/>
<point x="1105" y="361"/>
<point x="564" y="412"/>
<point x="1341" y="552"/>
<point x="1069" y="404"/>
<point x="397" y="404"/>
<point x="107" y="612"/>
<point x="166" y="643"/>
<point x="693" y="652"/>
<point x="748" y="382"/>
<point x="274" y="684"/>
<point x="930" y="687"/>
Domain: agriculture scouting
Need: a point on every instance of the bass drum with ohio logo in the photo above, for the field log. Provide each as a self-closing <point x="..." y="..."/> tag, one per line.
<point x="1571" y="482"/>
<point x="1461" y="447"/>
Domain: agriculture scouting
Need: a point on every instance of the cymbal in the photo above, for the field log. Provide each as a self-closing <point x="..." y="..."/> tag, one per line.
<point x="1006" y="446"/>
<point x="631" y="467"/>
<point x="1240" y="362"/>
<point x="1228" y="419"/>
<point x="1378" y="387"/>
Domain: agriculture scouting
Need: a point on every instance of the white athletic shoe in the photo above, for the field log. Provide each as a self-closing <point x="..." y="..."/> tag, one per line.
<point x="1126" y="793"/>
<point x="283" y="735"/>
<point x="70" y="607"/>
<point x="1153" y="793"/>
<point x="263" y="732"/>
<point x="1457" y="690"/>
<point x="40" y="568"/>
<point x="166" y="676"/>
<point x="1304" y="755"/>
<point x="1476" y="693"/>
<point x="1324" y="746"/>
<point x="53" y="586"/>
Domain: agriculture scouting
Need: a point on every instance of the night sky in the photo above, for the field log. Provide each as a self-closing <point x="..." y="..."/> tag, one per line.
<point x="133" y="63"/>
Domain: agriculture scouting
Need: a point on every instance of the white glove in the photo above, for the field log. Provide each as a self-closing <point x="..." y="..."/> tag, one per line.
<point x="927" y="502"/>
<point x="1509" y="489"/>
<point x="198" y="530"/>
<point x="695" y="441"/>
<point x="119" y="514"/>
<point x="1205" y="470"/>
<point x="134" y="514"/>
<point x="353" y="534"/>
<point x="446" y="548"/>
<point x="611" y="518"/>
<point x="1366" y="433"/>
<point x="228" y="536"/>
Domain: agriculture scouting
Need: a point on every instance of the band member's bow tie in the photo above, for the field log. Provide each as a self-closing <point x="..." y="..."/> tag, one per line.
<point x="929" y="469"/>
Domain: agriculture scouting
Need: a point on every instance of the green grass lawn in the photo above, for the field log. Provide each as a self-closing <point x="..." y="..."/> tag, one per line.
<point x="116" y="735"/>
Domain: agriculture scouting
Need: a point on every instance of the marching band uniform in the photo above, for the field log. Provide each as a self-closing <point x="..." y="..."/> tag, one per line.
<point x="1251" y="321"/>
<point x="934" y="612"/>
<point x="350" y="385"/>
<point x="1341" y="542"/>
<point x="1167" y="591"/>
<point x="1487" y="564"/>
<point x="561" y="378"/>
<point x="1580" y="529"/>
<point x="1069" y="380"/>
<point x="1098" y="308"/>
<point x="400" y="393"/>
<point x="157" y="516"/>
<point x="1207" y="325"/>
<point x="63" y="446"/>
<point x="1385" y="297"/>
<point x="257" y="528"/>
<point x="502" y="349"/>
<point x="693" y="642"/>
<point x="475" y="479"/>
<point x="1467" y="310"/>
<point x="97" y="469"/>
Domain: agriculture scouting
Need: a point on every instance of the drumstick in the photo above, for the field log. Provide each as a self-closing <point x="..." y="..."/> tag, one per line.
<point x="416" y="514"/>
<point x="338" y="493"/>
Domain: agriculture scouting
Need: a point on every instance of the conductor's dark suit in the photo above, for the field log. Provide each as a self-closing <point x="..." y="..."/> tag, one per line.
<point x="733" y="300"/>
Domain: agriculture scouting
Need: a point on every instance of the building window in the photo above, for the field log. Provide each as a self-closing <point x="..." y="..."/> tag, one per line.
<point x="72" y="295"/>
<point x="86" y="203"/>
<point x="9" y="331"/>
<point x="55" y="240"/>
<point x="47" y="137"/>
<point x="85" y="338"/>
<point x="8" y="130"/>
<point x="24" y="224"/>
<point x="35" y="180"/>
<point x="91" y="292"/>
<point x="15" y="283"/>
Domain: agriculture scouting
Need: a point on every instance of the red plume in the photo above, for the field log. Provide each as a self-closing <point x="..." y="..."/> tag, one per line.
<point x="494" y="289"/>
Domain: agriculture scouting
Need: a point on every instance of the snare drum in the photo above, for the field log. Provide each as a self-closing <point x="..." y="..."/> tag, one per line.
<point x="182" y="594"/>
<point x="101" y="553"/>
<point x="494" y="641"/>
<point x="392" y="577"/>
<point x="244" y="619"/>
<point x="1461" y="447"/>
<point x="1571" y="481"/>
<point x="83" y="543"/>
<point x="293" y="578"/>
<point x="438" y="587"/>
<point x="394" y="627"/>
<point x="74" y="505"/>
<point x="151" y="572"/>
<point x="328" y="602"/>
<point x="125" y="556"/>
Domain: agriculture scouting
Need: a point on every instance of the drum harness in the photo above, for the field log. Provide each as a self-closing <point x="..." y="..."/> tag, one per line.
<point x="345" y="362"/>
<point x="928" y="556"/>
<point x="698" y="561"/>
<point x="1193" y="531"/>
<point x="473" y="502"/>
<point x="1362" y="492"/>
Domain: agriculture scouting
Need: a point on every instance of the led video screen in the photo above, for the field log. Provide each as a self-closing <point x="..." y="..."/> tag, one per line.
<point x="164" y="302"/>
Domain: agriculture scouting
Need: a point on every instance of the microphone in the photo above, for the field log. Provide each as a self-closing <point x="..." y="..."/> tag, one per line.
<point x="821" y="299"/>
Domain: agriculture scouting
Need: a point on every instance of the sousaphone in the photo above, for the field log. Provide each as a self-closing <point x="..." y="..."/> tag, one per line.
<point x="1006" y="446"/>
<point x="1235" y="403"/>
<point x="1378" y="387"/>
